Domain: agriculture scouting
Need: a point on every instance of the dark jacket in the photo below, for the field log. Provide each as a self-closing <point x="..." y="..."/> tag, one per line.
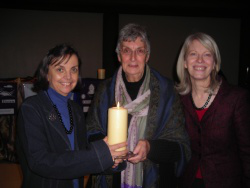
<point x="44" y="150"/>
<point x="165" y="130"/>
<point x="220" y="143"/>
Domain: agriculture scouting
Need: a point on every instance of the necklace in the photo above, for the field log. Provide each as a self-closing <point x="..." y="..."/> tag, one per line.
<point x="206" y="103"/>
<point x="70" y="118"/>
<point x="60" y="116"/>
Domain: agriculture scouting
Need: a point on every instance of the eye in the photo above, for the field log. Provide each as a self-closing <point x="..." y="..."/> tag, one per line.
<point x="74" y="69"/>
<point x="192" y="54"/>
<point x="126" y="51"/>
<point x="140" y="51"/>
<point x="207" y="54"/>
<point x="59" y="69"/>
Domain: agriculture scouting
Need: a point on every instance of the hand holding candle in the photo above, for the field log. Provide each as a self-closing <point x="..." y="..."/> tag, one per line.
<point x="117" y="125"/>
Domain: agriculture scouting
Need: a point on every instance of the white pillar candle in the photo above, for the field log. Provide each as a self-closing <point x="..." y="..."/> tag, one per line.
<point x="117" y="125"/>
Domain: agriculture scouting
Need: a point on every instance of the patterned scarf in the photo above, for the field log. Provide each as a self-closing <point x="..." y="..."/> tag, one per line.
<point x="132" y="176"/>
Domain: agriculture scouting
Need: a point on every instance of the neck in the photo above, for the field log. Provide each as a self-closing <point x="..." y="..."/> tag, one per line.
<point x="55" y="96"/>
<point x="135" y="78"/>
<point x="199" y="88"/>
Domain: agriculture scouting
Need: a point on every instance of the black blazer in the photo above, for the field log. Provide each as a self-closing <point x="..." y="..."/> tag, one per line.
<point x="44" y="150"/>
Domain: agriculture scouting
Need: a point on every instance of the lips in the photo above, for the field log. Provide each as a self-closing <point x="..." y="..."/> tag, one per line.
<point x="65" y="84"/>
<point x="199" y="68"/>
<point x="133" y="65"/>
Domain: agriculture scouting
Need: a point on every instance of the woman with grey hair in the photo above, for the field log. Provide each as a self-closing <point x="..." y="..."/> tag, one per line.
<point x="217" y="118"/>
<point x="156" y="133"/>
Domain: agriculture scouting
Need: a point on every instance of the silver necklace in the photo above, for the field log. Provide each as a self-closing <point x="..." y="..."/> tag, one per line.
<point x="206" y="103"/>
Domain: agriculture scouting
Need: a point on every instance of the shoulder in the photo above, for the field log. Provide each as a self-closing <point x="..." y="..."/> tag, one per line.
<point x="75" y="105"/>
<point x="155" y="74"/>
<point x="233" y="91"/>
<point x="103" y="85"/>
<point x="36" y="100"/>
<point x="165" y="84"/>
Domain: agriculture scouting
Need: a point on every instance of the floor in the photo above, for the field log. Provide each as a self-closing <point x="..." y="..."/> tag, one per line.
<point x="10" y="175"/>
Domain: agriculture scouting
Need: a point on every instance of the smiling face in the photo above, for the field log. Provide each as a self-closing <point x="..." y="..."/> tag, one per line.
<point x="63" y="77"/>
<point x="199" y="62"/>
<point x="133" y="57"/>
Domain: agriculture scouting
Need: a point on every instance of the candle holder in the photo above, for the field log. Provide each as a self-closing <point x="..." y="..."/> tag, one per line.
<point x="127" y="156"/>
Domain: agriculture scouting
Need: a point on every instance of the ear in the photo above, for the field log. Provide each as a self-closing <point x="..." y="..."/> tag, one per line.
<point x="119" y="58"/>
<point x="147" y="58"/>
<point x="185" y="64"/>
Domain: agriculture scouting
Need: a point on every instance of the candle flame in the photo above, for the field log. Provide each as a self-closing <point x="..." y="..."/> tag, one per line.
<point x="118" y="105"/>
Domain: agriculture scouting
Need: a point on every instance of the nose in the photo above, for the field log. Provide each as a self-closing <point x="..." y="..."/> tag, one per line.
<point x="67" y="75"/>
<point x="199" y="58"/>
<point x="133" y="55"/>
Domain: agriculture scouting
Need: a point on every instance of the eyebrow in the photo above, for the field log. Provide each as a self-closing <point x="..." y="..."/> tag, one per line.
<point x="136" y="48"/>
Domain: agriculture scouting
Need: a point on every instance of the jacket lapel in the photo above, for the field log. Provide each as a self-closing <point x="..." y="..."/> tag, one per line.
<point x="53" y="119"/>
<point x="212" y="108"/>
<point x="188" y="106"/>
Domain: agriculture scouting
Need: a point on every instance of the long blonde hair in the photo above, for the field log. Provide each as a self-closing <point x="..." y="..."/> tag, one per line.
<point x="184" y="86"/>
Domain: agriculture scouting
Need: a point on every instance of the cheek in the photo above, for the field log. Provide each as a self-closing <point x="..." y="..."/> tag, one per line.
<point x="76" y="77"/>
<point x="123" y="64"/>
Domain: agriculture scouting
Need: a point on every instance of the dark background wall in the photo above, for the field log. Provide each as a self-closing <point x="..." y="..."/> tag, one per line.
<point x="29" y="29"/>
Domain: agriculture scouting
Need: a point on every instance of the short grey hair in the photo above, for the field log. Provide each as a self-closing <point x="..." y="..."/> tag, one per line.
<point x="131" y="32"/>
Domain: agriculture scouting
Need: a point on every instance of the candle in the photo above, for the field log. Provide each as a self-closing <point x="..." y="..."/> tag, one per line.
<point x="117" y="125"/>
<point x="101" y="73"/>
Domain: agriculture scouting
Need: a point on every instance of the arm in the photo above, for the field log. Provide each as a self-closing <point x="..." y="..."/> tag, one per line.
<point x="172" y="144"/>
<point x="97" y="121"/>
<point x="48" y="155"/>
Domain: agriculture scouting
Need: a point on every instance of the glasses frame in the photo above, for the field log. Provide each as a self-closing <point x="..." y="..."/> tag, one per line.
<point x="130" y="52"/>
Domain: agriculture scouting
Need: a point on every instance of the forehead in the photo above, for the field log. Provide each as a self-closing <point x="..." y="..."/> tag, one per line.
<point x="138" y="42"/>
<point x="197" y="46"/>
<point x="67" y="60"/>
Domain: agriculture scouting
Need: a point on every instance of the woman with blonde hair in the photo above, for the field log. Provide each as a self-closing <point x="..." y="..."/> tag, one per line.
<point x="217" y="118"/>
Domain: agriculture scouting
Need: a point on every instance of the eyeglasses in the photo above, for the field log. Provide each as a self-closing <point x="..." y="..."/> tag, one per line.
<point x="128" y="51"/>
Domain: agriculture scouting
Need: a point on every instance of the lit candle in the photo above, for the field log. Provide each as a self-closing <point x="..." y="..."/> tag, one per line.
<point x="117" y="125"/>
<point x="101" y="74"/>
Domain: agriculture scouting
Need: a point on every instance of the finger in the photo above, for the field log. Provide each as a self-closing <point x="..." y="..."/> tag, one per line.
<point x="117" y="161"/>
<point x="134" y="159"/>
<point x="120" y="145"/>
<point x="106" y="140"/>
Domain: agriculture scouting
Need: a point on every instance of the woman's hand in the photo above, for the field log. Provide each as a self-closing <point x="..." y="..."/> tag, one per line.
<point x="141" y="152"/>
<point x="114" y="153"/>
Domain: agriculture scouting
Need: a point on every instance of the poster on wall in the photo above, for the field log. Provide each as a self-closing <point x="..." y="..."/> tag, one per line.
<point x="8" y="98"/>
<point x="86" y="94"/>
